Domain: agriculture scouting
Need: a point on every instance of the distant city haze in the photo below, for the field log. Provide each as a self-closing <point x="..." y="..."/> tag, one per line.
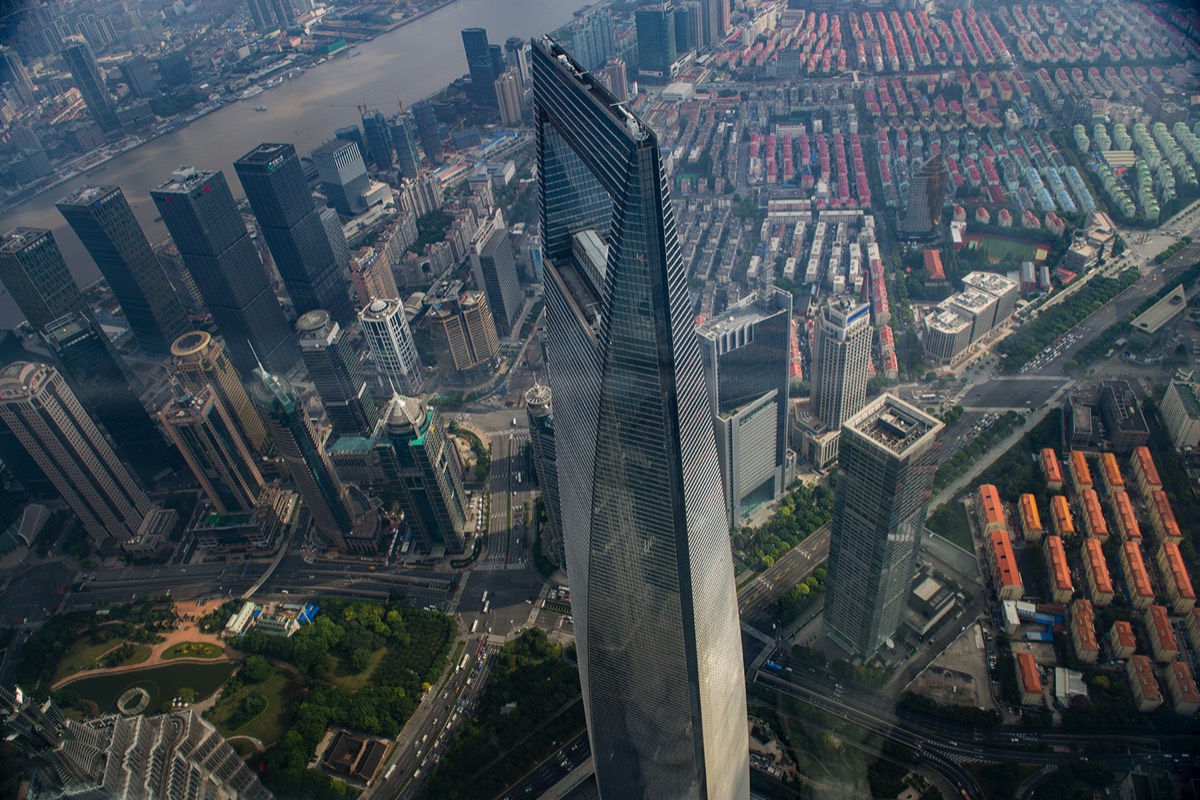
<point x="412" y="62"/>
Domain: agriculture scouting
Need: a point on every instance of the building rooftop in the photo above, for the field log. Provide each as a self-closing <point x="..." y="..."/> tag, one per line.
<point x="894" y="424"/>
<point x="1083" y="617"/>
<point x="1099" y="569"/>
<point x="745" y="312"/>
<point x="1184" y="683"/>
<point x="1162" y="312"/>
<point x="989" y="501"/>
<point x="1124" y="633"/>
<point x="1111" y="471"/>
<point x="1142" y="671"/>
<point x="1031" y="682"/>
<point x="1060" y="572"/>
<point x="184" y="179"/>
<point x="1160" y="623"/>
<point x="1051" y="466"/>
<point x="1186" y="392"/>
<point x="972" y="300"/>
<point x="991" y="282"/>
<point x="1126" y="515"/>
<point x="265" y="153"/>
<point x="21" y="237"/>
<point x="945" y="321"/>
<point x="1174" y="559"/>
<point x="1061" y="510"/>
<point x="380" y="310"/>
<point x="86" y="195"/>
<point x="1136" y="576"/>
<point x="1030" y="516"/>
<point x="1005" y="560"/>
<point x="1162" y="507"/>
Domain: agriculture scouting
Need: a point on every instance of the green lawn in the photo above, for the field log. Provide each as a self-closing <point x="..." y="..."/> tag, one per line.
<point x="949" y="521"/>
<point x="269" y="725"/>
<point x="83" y="656"/>
<point x="347" y="678"/>
<point x="193" y="650"/>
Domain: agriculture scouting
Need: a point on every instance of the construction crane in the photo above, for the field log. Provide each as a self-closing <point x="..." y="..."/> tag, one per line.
<point x="362" y="107"/>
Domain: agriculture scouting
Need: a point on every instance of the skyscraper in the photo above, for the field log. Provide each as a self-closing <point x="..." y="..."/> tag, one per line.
<point x="201" y="360"/>
<point x="334" y="362"/>
<point x="16" y="74"/>
<point x="432" y="132"/>
<point x="199" y="211"/>
<point x="652" y="591"/>
<point x="138" y="74"/>
<point x="278" y="193"/>
<point x="405" y="141"/>
<point x="495" y="267"/>
<point x="378" y="139"/>
<point x="656" y="41"/>
<point x="79" y="59"/>
<point x="467" y="328"/>
<point x="175" y="69"/>
<point x="516" y="56"/>
<point x="716" y="21"/>
<point x="841" y="359"/>
<point x="104" y="222"/>
<point x="481" y="63"/>
<point x="508" y="97"/>
<point x="746" y="355"/>
<point x="885" y="475"/>
<point x="545" y="458"/>
<point x="46" y="418"/>
<point x="592" y="38"/>
<point x="392" y="348"/>
<point x="343" y="176"/>
<point x="211" y="443"/>
<point x="926" y="193"/>
<point x="33" y="271"/>
<point x="689" y="26"/>
<point x="371" y="275"/>
<point x="261" y="14"/>
<point x="616" y="79"/>
<point x="427" y="473"/>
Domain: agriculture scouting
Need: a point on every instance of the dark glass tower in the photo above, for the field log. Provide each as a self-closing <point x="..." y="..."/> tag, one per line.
<point x="80" y="60"/>
<point x="495" y="267"/>
<point x="103" y="387"/>
<point x="480" y="62"/>
<point x="926" y="193"/>
<point x="652" y="589"/>
<point x="199" y="211"/>
<point x="378" y="138"/>
<point x="104" y="222"/>
<point x="405" y="142"/>
<point x="656" y="40"/>
<point x="432" y="131"/>
<point x="278" y="193"/>
<point x="335" y="365"/>
<point x="33" y="271"/>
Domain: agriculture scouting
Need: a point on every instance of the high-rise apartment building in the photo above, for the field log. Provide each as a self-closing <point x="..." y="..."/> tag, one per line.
<point x="885" y="475"/>
<point x="199" y="361"/>
<point x="689" y="26"/>
<point x="33" y="271"/>
<point x="207" y="227"/>
<point x="106" y="389"/>
<point x="392" y="347"/>
<point x="371" y="275"/>
<point x="432" y="132"/>
<point x="377" y="135"/>
<point x="616" y="79"/>
<point x="44" y="415"/>
<point x="841" y="360"/>
<point x="508" y="97"/>
<point x="343" y="176"/>
<point x="746" y="355"/>
<point x="592" y="38"/>
<point x="516" y="56"/>
<point x="926" y="193"/>
<point x="335" y="364"/>
<point x="647" y="545"/>
<point x="716" y="21"/>
<point x="466" y="328"/>
<point x="539" y="408"/>
<point x="427" y="473"/>
<point x="211" y="443"/>
<point x="79" y="59"/>
<point x="404" y="140"/>
<point x="104" y="222"/>
<point x="656" y="41"/>
<point x="495" y="268"/>
<point x="278" y="193"/>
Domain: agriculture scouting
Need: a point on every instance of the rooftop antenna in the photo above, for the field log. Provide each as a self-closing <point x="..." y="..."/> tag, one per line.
<point x="261" y="368"/>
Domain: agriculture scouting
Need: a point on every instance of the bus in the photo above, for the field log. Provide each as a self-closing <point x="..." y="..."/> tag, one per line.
<point x="486" y="606"/>
<point x="474" y="626"/>
<point x="465" y="659"/>
<point x="389" y="772"/>
<point x="485" y="594"/>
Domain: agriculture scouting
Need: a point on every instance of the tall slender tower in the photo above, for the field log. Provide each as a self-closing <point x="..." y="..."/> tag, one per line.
<point x="104" y="387"/>
<point x="18" y="76"/>
<point x="378" y="138"/>
<point x="199" y="211"/>
<point x="334" y="362"/>
<point x="386" y="328"/>
<point x="104" y="222"/>
<point x="200" y="360"/>
<point x="495" y="267"/>
<point x="77" y="54"/>
<point x="405" y="141"/>
<point x="885" y="477"/>
<point x="647" y="545"/>
<point x="545" y="458"/>
<point x="43" y="413"/>
<point x="212" y="445"/>
<point x="278" y="193"/>
<point x="841" y="358"/>
<point x="33" y="271"/>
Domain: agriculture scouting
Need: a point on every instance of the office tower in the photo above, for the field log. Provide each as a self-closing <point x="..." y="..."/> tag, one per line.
<point x="516" y="56"/>
<point x="261" y="14"/>
<point x="299" y="447"/>
<point x="405" y="141"/>
<point x="716" y="21"/>
<point x="337" y="237"/>
<point x="174" y="69"/>
<point x="33" y="271"/>
<point x="343" y="176"/>
<point x="926" y="193"/>
<point x="138" y="74"/>
<point x="45" y="416"/>
<point x="285" y="15"/>
<point x="841" y="359"/>
<point x="689" y="26"/>
<point x="656" y="40"/>
<point x="105" y="387"/>
<point x="352" y="133"/>
<point x="386" y="328"/>
<point x="885" y="475"/>
<point x="481" y="63"/>
<point x="427" y="472"/>
<point x="334" y="361"/>
<point x="20" y="464"/>
<point x="278" y="193"/>
<point x="467" y="329"/>
<point x="208" y="436"/>
<point x="615" y="79"/>
<point x="746" y="355"/>
<point x="545" y="458"/>
<point x="203" y="219"/>
<point x="371" y="275"/>
<point x="79" y="59"/>
<point x="495" y="268"/>
<point x="592" y="38"/>
<point x="161" y="755"/>
<point x="378" y="139"/>
<point x="104" y="222"/>
<point x="16" y="74"/>
<point x="199" y="361"/>
<point x="432" y="132"/>
<point x="508" y="97"/>
<point x="647" y="546"/>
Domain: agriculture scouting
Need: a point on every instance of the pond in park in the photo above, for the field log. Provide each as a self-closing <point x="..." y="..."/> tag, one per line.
<point x="161" y="683"/>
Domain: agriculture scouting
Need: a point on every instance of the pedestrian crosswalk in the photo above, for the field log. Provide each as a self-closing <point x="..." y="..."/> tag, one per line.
<point x="496" y="566"/>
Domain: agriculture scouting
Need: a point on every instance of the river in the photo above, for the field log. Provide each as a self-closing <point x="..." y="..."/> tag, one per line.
<point x="406" y="64"/>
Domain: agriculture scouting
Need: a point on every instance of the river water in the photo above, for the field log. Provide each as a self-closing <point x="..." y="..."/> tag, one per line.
<point x="407" y="64"/>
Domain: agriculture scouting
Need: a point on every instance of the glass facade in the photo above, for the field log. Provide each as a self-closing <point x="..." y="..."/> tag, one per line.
<point x="647" y="547"/>
<point x="34" y="272"/>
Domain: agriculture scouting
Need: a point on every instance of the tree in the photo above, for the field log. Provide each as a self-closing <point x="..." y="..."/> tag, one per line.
<point x="256" y="669"/>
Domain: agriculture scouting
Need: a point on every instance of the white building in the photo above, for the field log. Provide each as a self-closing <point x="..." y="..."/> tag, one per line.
<point x="1180" y="411"/>
<point x="395" y="354"/>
